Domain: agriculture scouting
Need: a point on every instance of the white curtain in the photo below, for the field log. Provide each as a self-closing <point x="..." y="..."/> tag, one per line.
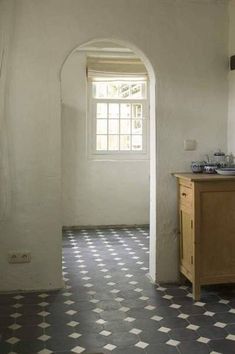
<point x="97" y="66"/>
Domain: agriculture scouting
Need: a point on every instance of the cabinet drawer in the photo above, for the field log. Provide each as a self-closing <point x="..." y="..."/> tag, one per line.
<point x="186" y="196"/>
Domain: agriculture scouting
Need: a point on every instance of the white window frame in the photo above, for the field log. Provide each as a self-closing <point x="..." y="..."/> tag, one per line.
<point x="91" y="126"/>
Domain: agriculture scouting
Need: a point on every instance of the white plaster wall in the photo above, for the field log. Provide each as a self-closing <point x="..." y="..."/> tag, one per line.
<point x="231" y="104"/>
<point x="95" y="191"/>
<point x="186" y="42"/>
<point x="32" y="221"/>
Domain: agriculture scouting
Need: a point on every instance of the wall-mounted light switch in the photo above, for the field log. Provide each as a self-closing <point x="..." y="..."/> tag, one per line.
<point x="190" y="145"/>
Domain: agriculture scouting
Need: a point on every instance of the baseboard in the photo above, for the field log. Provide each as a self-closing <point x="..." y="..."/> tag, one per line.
<point x="21" y="291"/>
<point x="80" y="227"/>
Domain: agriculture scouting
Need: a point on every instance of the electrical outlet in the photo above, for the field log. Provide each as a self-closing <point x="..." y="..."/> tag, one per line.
<point x="19" y="257"/>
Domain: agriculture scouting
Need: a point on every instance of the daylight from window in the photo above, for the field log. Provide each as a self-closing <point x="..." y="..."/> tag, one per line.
<point x="120" y="114"/>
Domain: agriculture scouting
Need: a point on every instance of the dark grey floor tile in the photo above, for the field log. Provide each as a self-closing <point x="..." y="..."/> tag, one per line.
<point x="28" y="347"/>
<point x="223" y="346"/>
<point x="212" y="332"/>
<point x="183" y="334"/>
<point x="161" y="349"/>
<point x="201" y="320"/>
<point x="193" y="347"/>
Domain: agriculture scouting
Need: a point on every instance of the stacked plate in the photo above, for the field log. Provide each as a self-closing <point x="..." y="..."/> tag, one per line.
<point x="228" y="171"/>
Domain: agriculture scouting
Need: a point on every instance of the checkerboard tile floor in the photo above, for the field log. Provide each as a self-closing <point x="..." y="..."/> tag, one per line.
<point x="109" y="305"/>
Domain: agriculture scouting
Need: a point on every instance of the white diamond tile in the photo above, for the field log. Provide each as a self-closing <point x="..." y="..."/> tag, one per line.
<point x="78" y="350"/>
<point x="43" y="304"/>
<point x="110" y="347"/>
<point x="75" y="335"/>
<point x="203" y="340"/>
<point x="199" y="303"/>
<point x="71" y="312"/>
<point x="15" y="326"/>
<point x="141" y="345"/>
<point x="129" y="319"/>
<point x="156" y="318"/>
<point x="172" y="342"/>
<point x="44" y="337"/>
<point x="168" y="297"/>
<point x="192" y="327"/>
<point x="100" y="321"/>
<point x="135" y="331"/>
<point x="45" y="351"/>
<point x="69" y="302"/>
<point x="150" y="307"/>
<point x="231" y="337"/>
<point x="12" y="340"/>
<point x="223" y="301"/>
<point x="175" y="306"/>
<point x="72" y="323"/>
<point x="18" y="297"/>
<point x="220" y="324"/>
<point x="164" y="329"/>
<point x="209" y="313"/>
<point x="144" y="298"/>
<point x="98" y="310"/>
<point x="183" y="315"/>
<point x="44" y="325"/>
<point x="105" y="333"/>
<point x="16" y="306"/>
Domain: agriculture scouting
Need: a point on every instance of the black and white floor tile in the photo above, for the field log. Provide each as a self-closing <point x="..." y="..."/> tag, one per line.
<point x="110" y="306"/>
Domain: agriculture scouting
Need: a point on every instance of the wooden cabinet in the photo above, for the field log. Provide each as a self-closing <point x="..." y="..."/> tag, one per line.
<point x="207" y="229"/>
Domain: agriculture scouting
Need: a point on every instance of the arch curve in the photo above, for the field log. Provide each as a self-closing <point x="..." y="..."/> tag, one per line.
<point x="153" y="134"/>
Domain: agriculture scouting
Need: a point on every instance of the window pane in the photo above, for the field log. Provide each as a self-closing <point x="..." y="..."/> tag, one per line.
<point x="125" y="126"/>
<point x="136" y="90"/>
<point x="125" y="142"/>
<point x="137" y="142"/>
<point x="100" y="89"/>
<point x="119" y="89"/>
<point x="101" y="110"/>
<point x="113" y="110"/>
<point x="137" y="110"/>
<point x="101" y="126"/>
<point x="125" y="110"/>
<point x="114" y="126"/>
<point x="137" y="126"/>
<point x="101" y="142"/>
<point x="112" y="89"/>
<point x="124" y="90"/>
<point x="113" y="142"/>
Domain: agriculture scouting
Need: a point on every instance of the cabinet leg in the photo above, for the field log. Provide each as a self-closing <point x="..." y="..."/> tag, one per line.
<point x="196" y="291"/>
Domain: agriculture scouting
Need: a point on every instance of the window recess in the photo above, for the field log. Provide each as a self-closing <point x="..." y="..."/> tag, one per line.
<point x="117" y="112"/>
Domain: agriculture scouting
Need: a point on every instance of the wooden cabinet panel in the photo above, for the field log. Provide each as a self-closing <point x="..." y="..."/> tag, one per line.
<point x="186" y="197"/>
<point x="217" y="231"/>
<point x="207" y="229"/>
<point x="186" y="241"/>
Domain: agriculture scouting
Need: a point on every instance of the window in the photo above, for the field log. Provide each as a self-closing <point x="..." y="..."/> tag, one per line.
<point x="119" y="113"/>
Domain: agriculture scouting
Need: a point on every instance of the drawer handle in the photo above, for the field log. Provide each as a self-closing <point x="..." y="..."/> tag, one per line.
<point x="184" y="194"/>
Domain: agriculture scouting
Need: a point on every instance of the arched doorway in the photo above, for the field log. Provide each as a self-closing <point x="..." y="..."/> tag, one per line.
<point x="110" y="45"/>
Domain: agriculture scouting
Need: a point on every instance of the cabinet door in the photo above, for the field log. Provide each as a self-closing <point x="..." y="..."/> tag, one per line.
<point x="186" y="240"/>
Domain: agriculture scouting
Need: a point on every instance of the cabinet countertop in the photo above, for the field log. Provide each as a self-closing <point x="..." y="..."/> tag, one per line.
<point x="202" y="177"/>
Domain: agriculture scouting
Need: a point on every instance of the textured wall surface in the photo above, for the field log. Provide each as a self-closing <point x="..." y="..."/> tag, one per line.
<point x="186" y="42"/>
